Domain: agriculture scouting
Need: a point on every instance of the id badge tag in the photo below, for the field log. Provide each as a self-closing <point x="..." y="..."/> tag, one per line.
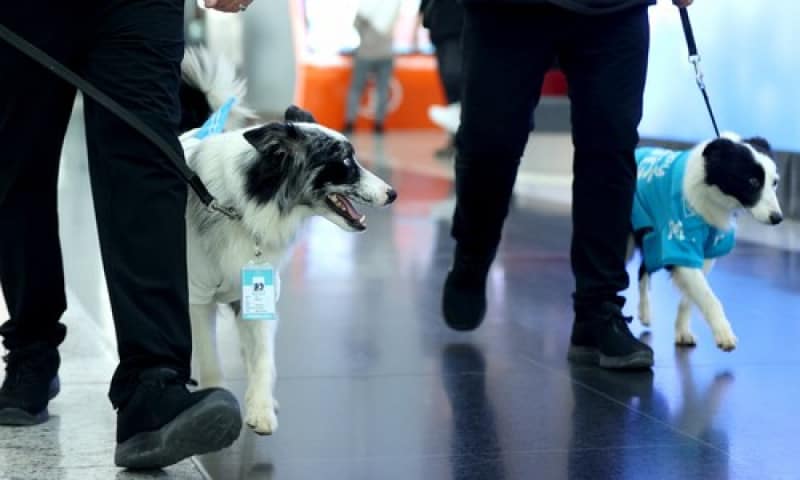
<point x="258" y="292"/>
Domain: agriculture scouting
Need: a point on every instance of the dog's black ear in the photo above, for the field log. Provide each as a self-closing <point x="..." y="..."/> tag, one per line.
<point x="262" y="138"/>
<point x="265" y="175"/>
<point x="718" y="149"/>
<point x="760" y="144"/>
<point x="297" y="114"/>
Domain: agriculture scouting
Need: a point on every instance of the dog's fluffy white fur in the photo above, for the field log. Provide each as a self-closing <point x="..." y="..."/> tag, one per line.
<point x="717" y="191"/>
<point x="277" y="176"/>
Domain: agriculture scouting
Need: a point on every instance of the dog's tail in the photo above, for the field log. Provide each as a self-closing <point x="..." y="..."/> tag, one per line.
<point x="208" y="81"/>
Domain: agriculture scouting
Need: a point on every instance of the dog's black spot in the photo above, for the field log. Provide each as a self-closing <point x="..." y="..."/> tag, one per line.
<point x="732" y="168"/>
<point x="335" y="160"/>
<point x="236" y="306"/>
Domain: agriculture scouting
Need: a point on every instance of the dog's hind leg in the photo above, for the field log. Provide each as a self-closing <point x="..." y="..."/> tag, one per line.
<point x="258" y="348"/>
<point x="644" y="296"/>
<point x="207" y="368"/>
<point x="692" y="283"/>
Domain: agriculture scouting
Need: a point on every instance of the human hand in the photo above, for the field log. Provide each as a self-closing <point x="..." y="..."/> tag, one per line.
<point x="682" y="3"/>
<point x="228" y="5"/>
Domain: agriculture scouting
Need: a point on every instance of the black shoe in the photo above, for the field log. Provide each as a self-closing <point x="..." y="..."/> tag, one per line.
<point x="163" y="423"/>
<point x="464" y="296"/>
<point x="601" y="337"/>
<point x="348" y="129"/>
<point x="379" y="129"/>
<point x="31" y="382"/>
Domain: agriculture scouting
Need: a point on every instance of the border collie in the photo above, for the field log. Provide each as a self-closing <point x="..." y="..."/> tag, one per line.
<point x="276" y="176"/>
<point x="684" y="216"/>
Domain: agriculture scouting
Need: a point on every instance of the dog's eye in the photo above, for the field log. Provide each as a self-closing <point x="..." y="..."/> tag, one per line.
<point x="775" y="183"/>
<point x="754" y="182"/>
<point x="348" y="162"/>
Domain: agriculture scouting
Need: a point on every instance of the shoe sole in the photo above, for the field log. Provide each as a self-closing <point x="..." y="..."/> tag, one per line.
<point x="17" y="417"/>
<point x="212" y="424"/>
<point x="592" y="356"/>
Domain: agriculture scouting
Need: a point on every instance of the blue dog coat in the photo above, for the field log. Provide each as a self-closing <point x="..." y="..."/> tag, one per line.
<point x="679" y="236"/>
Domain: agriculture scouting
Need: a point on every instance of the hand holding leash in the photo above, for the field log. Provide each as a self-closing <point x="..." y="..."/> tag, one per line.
<point x="682" y="3"/>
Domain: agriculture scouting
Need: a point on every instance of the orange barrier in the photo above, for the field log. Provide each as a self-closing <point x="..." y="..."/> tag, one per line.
<point x="323" y="82"/>
<point x="323" y="88"/>
<point x="414" y="87"/>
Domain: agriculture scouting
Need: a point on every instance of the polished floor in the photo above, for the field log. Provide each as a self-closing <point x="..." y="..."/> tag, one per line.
<point x="373" y="386"/>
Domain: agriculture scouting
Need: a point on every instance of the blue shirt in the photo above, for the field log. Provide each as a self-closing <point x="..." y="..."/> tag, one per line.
<point x="679" y="235"/>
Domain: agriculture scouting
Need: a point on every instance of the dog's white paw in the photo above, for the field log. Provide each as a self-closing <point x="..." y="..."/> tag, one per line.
<point x="262" y="419"/>
<point x="685" y="339"/>
<point x="725" y="339"/>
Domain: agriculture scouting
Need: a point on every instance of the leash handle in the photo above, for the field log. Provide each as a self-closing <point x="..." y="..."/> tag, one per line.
<point x="694" y="59"/>
<point x="688" y="32"/>
<point x="45" y="60"/>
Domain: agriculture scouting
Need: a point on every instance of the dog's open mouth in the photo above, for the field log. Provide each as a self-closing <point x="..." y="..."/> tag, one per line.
<point x="345" y="209"/>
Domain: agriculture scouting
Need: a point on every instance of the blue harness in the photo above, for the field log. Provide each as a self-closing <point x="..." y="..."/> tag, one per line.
<point x="216" y="122"/>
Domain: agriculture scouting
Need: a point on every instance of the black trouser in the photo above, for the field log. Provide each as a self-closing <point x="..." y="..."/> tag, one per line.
<point x="507" y="51"/>
<point x="131" y="51"/>
<point x="448" y="59"/>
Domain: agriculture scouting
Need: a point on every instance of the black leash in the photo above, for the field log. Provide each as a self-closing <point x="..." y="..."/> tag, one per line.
<point x="124" y="114"/>
<point x="694" y="59"/>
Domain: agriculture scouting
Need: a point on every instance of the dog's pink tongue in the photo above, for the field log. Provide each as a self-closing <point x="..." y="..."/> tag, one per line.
<point x="351" y="211"/>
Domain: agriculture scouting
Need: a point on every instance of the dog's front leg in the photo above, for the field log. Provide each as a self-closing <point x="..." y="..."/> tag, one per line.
<point x="692" y="283"/>
<point x="207" y="368"/>
<point x="683" y="333"/>
<point x="258" y="349"/>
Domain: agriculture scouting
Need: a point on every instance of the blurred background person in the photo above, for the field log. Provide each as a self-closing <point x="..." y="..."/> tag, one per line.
<point x="375" y="21"/>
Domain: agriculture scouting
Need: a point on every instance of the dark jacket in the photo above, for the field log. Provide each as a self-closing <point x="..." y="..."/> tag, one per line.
<point x="580" y="6"/>
<point x="443" y="18"/>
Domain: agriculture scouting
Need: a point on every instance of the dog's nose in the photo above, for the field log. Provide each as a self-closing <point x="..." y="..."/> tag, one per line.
<point x="775" y="218"/>
<point x="391" y="196"/>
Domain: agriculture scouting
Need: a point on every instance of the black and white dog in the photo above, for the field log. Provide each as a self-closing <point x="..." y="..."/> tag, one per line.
<point x="684" y="217"/>
<point x="276" y="176"/>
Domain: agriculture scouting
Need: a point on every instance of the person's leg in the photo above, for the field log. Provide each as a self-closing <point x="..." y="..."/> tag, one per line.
<point x="605" y="67"/>
<point x="140" y="203"/>
<point x="496" y="109"/>
<point x="357" y="83"/>
<point x="35" y="107"/>
<point x="383" y="79"/>
<point x="448" y="59"/>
